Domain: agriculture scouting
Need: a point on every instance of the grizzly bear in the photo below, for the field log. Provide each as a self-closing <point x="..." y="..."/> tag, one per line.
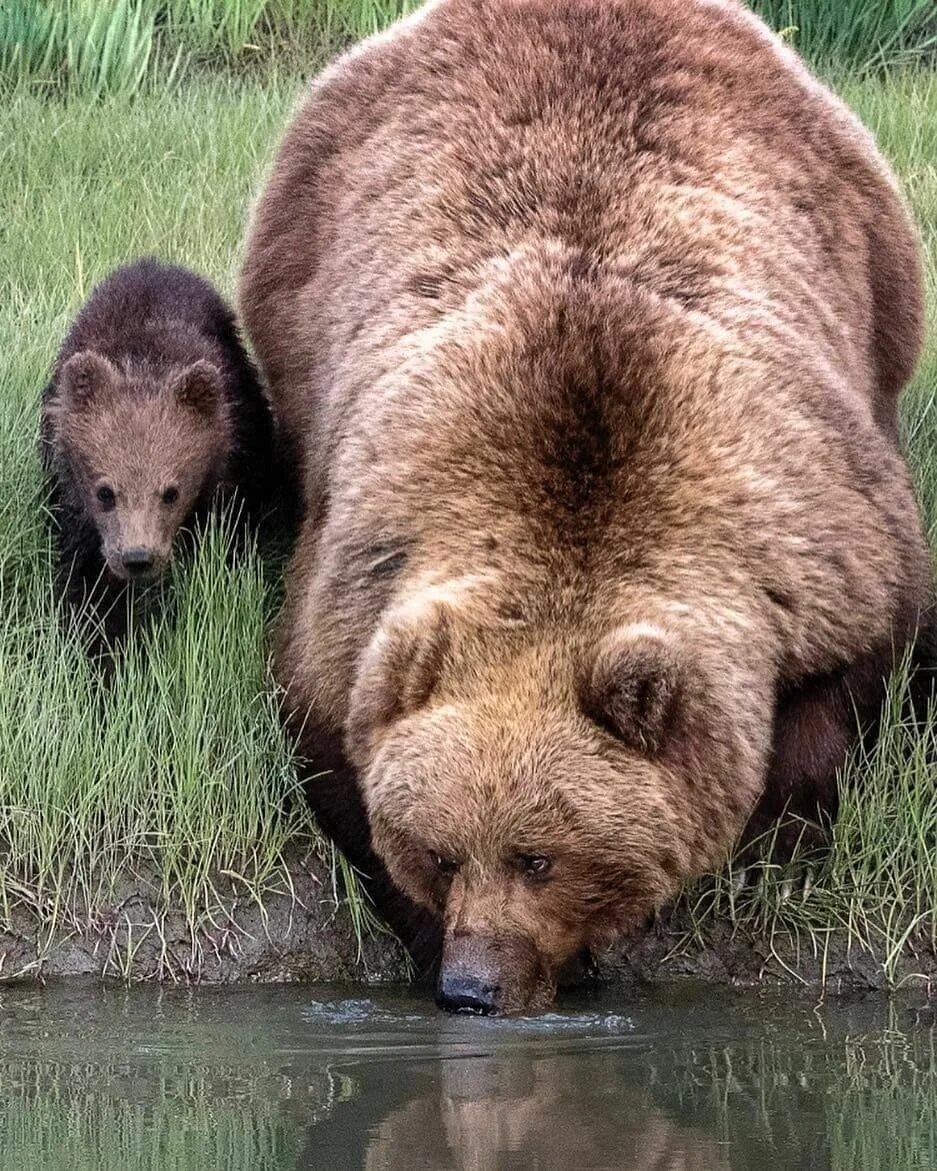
<point x="587" y="319"/>
<point x="154" y="413"/>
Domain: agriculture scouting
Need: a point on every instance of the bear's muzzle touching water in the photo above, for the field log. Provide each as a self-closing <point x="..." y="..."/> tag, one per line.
<point x="587" y="321"/>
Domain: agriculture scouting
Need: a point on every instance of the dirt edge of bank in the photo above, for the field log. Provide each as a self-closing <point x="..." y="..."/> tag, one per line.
<point x="303" y="930"/>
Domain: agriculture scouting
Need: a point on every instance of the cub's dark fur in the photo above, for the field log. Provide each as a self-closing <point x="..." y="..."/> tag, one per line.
<point x="154" y="414"/>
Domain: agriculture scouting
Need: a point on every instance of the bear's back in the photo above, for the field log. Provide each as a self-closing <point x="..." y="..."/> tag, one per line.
<point x="676" y="145"/>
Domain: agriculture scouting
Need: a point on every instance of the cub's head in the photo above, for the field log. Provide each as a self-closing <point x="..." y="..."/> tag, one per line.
<point x="141" y="453"/>
<point x="541" y="795"/>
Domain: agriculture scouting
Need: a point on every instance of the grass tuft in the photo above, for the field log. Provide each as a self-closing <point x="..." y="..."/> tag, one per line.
<point x="85" y="49"/>
<point x="862" y="33"/>
<point x="175" y="765"/>
<point x="875" y="889"/>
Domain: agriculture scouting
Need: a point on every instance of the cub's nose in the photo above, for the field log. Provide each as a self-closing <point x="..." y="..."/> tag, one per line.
<point x="466" y="994"/>
<point x="137" y="561"/>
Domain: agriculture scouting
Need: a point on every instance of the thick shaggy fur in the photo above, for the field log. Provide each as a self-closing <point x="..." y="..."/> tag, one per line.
<point x="587" y="319"/>
<point x="152" y="393"/>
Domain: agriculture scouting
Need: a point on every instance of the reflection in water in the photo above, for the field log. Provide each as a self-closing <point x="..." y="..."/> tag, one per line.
<point x="270" y="1078"/>
<point x="555" y="1112"/>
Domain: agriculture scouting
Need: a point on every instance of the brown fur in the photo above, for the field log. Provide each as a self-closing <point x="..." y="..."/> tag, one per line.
<point x="122" y="433"/>
<point x="587" y="319"/>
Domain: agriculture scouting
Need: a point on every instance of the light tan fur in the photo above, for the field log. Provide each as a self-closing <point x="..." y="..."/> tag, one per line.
<point x="147" y="442"/>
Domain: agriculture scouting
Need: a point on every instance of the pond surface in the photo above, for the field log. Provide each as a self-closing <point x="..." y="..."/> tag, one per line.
<point x="690" y="1077"/>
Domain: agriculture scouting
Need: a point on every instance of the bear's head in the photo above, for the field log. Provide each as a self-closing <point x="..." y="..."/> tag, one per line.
<point x="542" y="792"/>
<point x="140" y="451"/>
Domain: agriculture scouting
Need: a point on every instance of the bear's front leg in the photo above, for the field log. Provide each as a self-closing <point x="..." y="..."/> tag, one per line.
<point x="817" y="725"/>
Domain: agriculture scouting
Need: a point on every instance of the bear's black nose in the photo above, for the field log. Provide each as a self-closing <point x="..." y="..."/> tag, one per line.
<point x="457" y="993"/>
<point x="137" y="560"/>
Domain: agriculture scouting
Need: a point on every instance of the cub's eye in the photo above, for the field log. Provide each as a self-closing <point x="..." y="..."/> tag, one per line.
<point x="445" y="866"/>
<point x="534" y="865"/>
<point x="105" y="497"/>
<point x="170" y="495"/>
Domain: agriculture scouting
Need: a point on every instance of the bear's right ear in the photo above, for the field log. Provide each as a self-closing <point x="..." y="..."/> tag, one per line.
<point x="198" y="387"/>
<point x="85" y="377"/>
<point x="638" y="688"/>
<point x="397" y="672"/>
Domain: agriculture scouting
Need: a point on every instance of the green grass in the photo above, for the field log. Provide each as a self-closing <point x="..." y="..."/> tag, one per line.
<point x="178" y="761"/>
<point x="179" y="768"/>
<point x="865" y="33"/>
<point x="88" y="48"/>
<point x="873" y="893"/>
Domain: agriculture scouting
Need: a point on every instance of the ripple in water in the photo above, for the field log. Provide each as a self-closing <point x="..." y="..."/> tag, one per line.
<point x="366" y="1025"/>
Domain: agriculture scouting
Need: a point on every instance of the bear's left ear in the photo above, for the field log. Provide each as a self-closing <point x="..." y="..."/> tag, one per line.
<point x="637" y="688"/>
<point x="198" y="388"/>
<point x="397" y="672"/>
<point x="85" y="377"/>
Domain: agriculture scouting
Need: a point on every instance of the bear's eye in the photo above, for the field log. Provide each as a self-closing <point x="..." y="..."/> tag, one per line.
<point x="534" y="865"/>
<point x="106" y="498"/>
<point x="170" y="495"/>
<point x="445" y="866"/>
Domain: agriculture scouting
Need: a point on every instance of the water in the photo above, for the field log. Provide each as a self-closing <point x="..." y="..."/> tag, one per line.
<point x="689" y="1078"/>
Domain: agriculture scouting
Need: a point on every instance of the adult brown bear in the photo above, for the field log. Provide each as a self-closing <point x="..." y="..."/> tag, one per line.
<point x="586" y="320"/>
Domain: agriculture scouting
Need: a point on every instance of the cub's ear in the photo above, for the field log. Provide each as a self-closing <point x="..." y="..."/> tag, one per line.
<point x="397" y="672"/>
<point x="638" y="689"/>
<point x="198" y="388"/>
<point x="85" y="377"/>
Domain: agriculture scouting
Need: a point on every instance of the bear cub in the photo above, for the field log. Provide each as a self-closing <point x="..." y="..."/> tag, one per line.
<point x="153" y="416"/>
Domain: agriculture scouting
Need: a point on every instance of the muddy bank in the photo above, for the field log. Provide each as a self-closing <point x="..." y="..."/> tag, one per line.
<point x="302" y="930"/>
<point x="299" y="927"/>
<point x="669" y="951"/>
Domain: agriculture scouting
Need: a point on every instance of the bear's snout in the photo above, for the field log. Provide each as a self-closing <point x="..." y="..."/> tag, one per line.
<point x="467" y="994"/>
<point x="489" y="976"/>
<point x="470" y="976"/>
<point x="138" y="561"/>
